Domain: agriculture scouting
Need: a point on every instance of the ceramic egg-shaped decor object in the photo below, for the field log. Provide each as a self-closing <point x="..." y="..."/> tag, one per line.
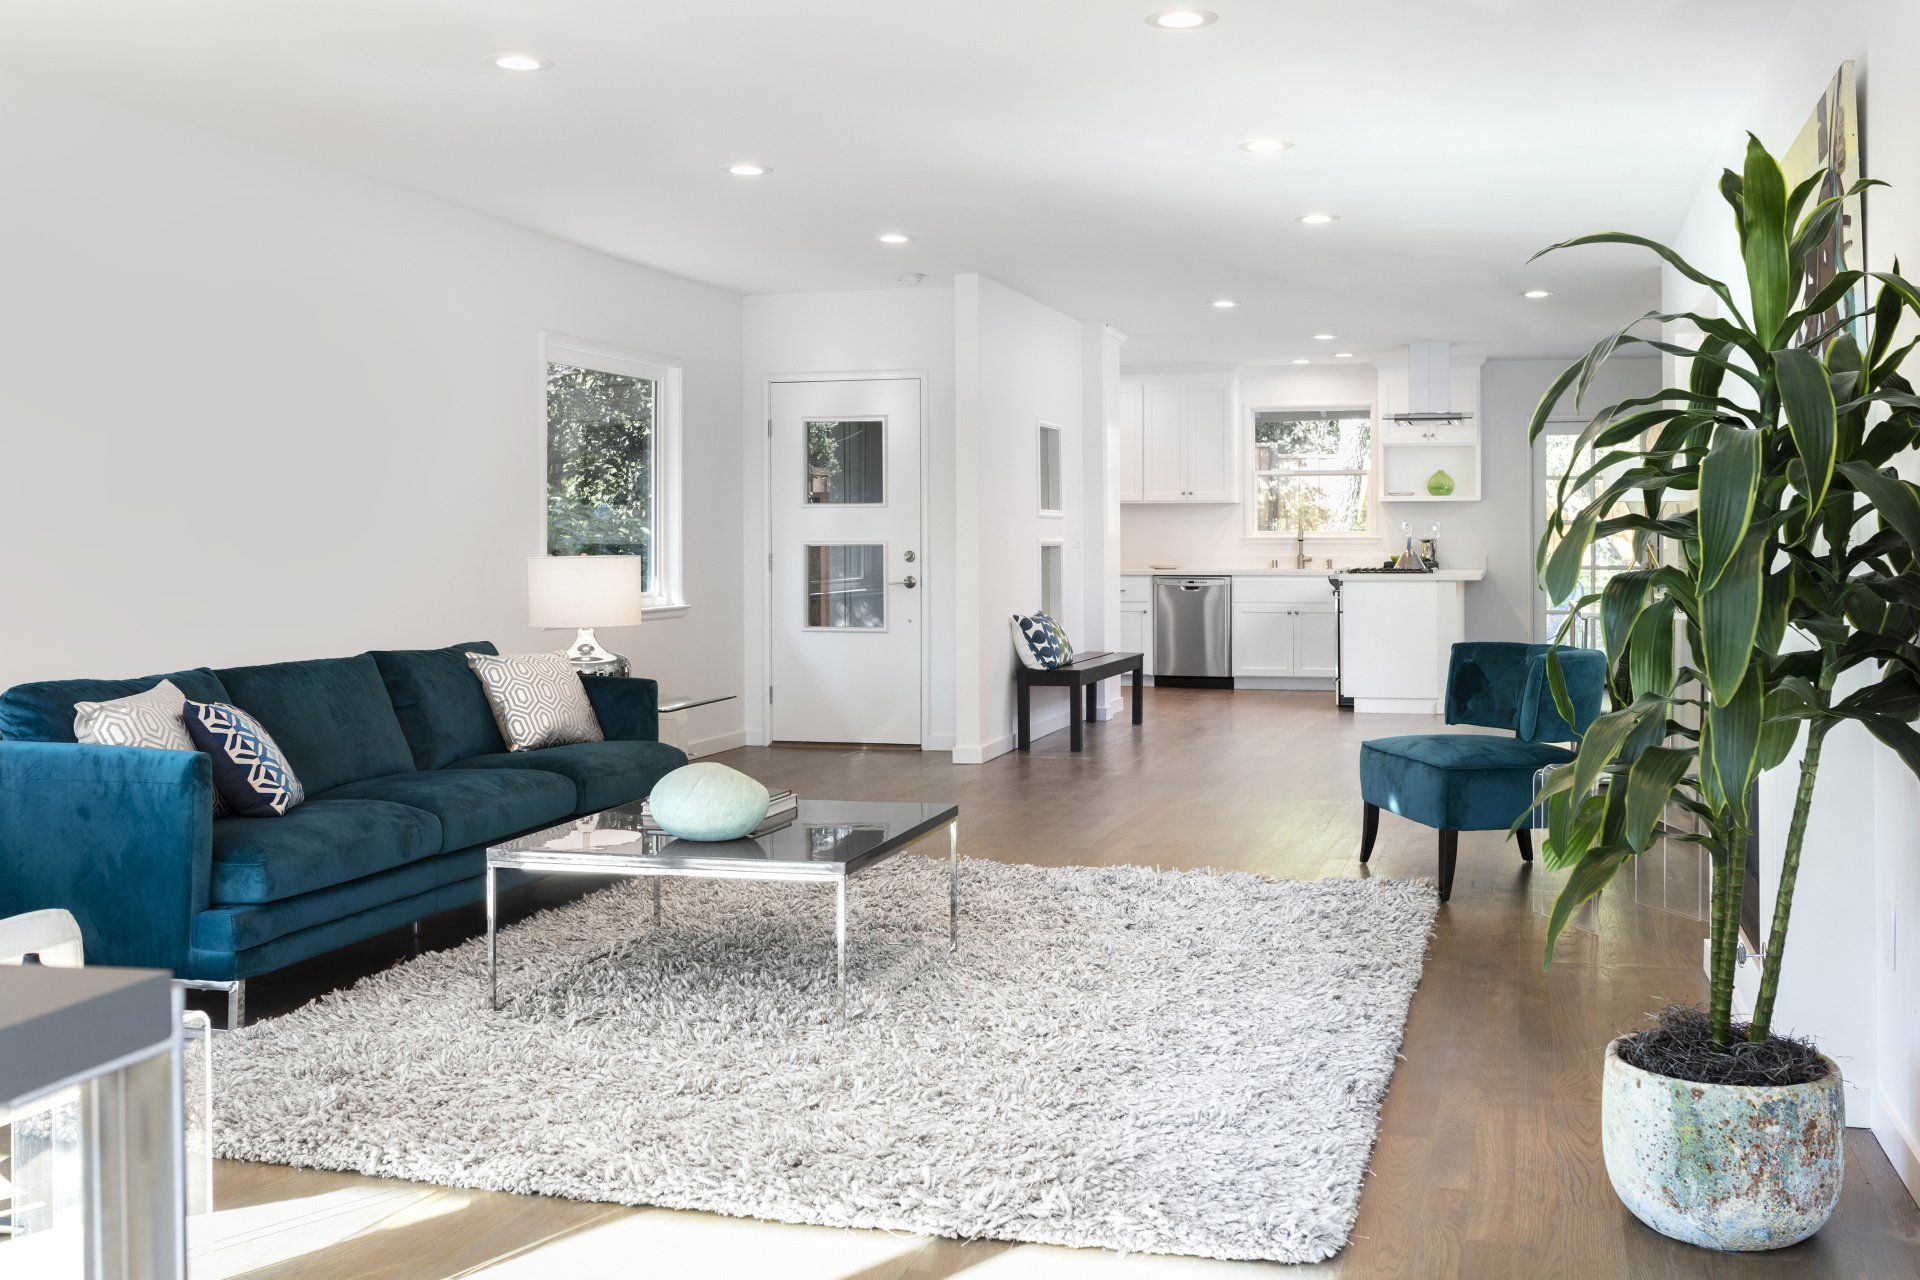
<point x="1440" y="484"/>
<point x="708" y="801"/>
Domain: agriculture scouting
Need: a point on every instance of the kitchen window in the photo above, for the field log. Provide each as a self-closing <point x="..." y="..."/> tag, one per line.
<point x="1313" y="472"/>
<point x="1605" y="557"/>
<point x="613" y="431"/>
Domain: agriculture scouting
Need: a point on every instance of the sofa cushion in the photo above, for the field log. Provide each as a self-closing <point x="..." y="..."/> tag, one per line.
<point x="604" y="774"/>
<point x="239" y="925"/>
<point x="473" y="807"/>
<point x="43" y="711"/>
<point x="1454" y="781"/>
<point x="323" y="842"/>
<point x="250" y="772"/>
<point x="331" y="716"/>
<point x="441" y="707"/>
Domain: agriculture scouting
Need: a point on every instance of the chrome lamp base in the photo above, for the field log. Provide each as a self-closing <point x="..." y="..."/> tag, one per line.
<point x="589" y="659"/>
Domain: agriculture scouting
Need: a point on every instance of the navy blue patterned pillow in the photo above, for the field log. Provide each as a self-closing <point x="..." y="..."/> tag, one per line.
<point x="1037" y="642"/>
<point x="248" y="770"/>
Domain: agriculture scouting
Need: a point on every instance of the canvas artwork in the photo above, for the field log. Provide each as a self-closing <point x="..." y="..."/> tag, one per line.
<point x="1830" y="142"/>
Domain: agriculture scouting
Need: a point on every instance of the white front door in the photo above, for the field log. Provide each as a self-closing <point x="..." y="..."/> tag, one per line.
<point x="848" y="574"/>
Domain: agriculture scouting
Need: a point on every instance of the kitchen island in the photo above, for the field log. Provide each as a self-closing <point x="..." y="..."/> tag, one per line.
<point x="1397" y="632"/>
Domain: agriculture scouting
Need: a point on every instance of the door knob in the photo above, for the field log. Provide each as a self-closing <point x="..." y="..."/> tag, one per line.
<point x="907" y="556"/>
<point x="909" y="582"/>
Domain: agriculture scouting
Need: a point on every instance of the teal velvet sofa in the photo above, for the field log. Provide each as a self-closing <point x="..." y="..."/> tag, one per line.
<point x="1458" y="782"/>
<point x="407" y="782"/>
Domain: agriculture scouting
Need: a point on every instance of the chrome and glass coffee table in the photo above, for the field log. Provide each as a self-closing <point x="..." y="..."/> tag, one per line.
<point x="828" y="842"/>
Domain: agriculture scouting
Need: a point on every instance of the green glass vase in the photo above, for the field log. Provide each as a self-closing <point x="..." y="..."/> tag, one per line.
<point x="1439" y="484"/>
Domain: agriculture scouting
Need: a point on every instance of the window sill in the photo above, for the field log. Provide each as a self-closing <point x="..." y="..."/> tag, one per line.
<point x="649" y="612"/>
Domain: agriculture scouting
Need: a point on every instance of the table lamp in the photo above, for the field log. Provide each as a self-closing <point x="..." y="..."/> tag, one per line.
<point x="586" y="592"/>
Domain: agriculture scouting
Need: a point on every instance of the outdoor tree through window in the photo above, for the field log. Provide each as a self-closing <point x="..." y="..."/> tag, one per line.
<point x="601" y="497"/>
<point x="1312" y="472"/>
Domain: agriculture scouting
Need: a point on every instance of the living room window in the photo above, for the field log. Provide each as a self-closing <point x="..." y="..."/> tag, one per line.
<point x="1312" y="470"/>
<point x="613" y="433"/>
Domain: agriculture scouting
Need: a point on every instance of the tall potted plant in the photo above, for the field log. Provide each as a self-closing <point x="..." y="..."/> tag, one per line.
<point x="1727" y="644"/>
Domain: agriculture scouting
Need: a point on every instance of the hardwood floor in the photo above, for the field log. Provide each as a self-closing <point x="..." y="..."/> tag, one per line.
<point x="1488" y="1162"/>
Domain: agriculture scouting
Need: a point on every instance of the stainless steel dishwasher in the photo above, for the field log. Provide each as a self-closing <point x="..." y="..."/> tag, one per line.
<point x="1193" y="632"/>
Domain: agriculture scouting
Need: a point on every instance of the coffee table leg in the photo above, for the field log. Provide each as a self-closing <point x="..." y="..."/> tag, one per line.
<point x="656" y="902"/>
<point x="953" y="886"/>
<point x="493" y="910"/>
<point x="840" y="937"/>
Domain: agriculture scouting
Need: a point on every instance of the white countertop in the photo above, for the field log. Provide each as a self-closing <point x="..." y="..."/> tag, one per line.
<point x="1452" y="573"/>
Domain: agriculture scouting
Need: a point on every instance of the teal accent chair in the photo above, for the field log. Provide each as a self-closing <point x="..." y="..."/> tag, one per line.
<point x="1458" y="782"/>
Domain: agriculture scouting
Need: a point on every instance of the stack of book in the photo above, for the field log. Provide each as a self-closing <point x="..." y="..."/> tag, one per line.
<point x="782" y="808"/>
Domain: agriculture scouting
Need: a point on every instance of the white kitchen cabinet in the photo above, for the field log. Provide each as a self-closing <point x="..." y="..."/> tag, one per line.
<point x="1316" y="643"/>
<point x="1127" y="475"/>
<point x="1136" y="619"/>
<point x="1283" y="639"/>
<point x="1186" y="441"/>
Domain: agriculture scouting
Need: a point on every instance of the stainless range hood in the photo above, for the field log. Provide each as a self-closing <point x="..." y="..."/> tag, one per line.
<point x="1429" y="385"/>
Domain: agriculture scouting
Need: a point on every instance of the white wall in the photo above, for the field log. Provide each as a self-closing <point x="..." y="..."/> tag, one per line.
<point x="1100" y="534"/>
<point x="1018" y="363"/>
<point x="904" y="330"/>
<point x="1498" y="531"/>
<point x="1852" y="972"/>
<point x="256" y="409"/>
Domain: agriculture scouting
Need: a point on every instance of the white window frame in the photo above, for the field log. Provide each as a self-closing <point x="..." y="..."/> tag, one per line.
<point x="1372" y="474"/>
<point x="1060" y="469"/>
<point x="1058" y="546"/>
<point x="668" y="596"/>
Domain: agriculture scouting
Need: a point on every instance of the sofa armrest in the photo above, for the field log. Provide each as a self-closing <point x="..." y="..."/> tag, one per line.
<point x="120" y="836"/>
<point x="628" y="707"/>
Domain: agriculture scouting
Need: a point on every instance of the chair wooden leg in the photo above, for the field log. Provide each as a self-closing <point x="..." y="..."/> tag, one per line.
<point x="1449" y="854"/>
<point x="1369" y="828"/>
<point x="1526" y="844"/>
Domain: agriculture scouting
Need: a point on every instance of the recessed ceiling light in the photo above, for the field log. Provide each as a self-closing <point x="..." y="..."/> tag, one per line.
<point x="1266" y="146"/>
<point x="1319" y="219"/>
<point x="1343" y="355"/>
<point x="892" y="237"/>
<point x="747" y="169"/>
<point x="1538" y="293"/>
<point x="1182" y="18"/>
<point x="521" y="62"/>
<point x="1324" y="337"/>
<point x="1303" y="360"/>
<point x="1225" y="303"/>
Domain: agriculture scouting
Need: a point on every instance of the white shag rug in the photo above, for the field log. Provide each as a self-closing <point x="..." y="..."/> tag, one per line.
<point x="1117" y="1057"/>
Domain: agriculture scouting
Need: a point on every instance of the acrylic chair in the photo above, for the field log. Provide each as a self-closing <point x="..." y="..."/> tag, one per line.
<point x="1458" y="782"/>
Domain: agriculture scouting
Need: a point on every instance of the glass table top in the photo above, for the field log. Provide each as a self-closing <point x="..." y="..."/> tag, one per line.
<point x="671" y="702"/>
<point x="825" y="837"/>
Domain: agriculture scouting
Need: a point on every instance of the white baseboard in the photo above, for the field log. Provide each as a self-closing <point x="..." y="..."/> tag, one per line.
<point x="1397" y="706"/>
<point x="717" y="743"/>
<point x="937" y="742"/>
<point x="1898" y="1142"/>
<point x="1309" y="684"/>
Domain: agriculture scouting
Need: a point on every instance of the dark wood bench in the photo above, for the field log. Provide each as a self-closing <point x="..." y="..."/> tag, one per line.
<point x="1081" y="673"/>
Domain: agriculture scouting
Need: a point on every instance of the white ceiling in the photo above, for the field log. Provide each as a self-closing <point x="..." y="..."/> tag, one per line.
<point x="1063" y="147"/>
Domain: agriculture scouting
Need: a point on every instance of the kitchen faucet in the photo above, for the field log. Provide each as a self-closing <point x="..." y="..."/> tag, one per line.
<point x="1300" y="544"/>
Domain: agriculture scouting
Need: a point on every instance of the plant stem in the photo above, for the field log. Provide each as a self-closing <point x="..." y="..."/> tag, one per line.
<point x="1719" y="972"/>
<point x="1789" y="873"/>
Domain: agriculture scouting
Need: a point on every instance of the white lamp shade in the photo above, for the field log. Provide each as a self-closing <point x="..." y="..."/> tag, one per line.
<point x="584" y="591"/>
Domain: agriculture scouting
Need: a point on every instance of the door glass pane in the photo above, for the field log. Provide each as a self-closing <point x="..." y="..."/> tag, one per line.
<point x="846" y="586"/>
<point x="846" y="462"/>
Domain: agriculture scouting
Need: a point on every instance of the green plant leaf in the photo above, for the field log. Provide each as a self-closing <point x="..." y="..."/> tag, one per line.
<point x="1730" y="618"/>
<point x="1895" y="499"/>
<point x="1898" y="735"/>
<point x="1596" y="868"/>
<point x="1777" y="735"/>
<point x="1604" y="739"/>
<point x="1544" y="409"/>
<point x="1729" y="479"/>
<point x="1735" y="738"/>
<point x="1650" y="784"/>
<point x="1563" y="566"/>
<point x="1650" y="650"/>
<point x="1763" y="240"/>
<point x="1557" y="686"/>
<point x="1666" y="255"/>
<point x="1807" y="399"/>
<point x="1621" y="601"/>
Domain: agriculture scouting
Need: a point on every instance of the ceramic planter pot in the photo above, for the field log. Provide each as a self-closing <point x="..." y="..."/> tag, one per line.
<point x="1741" y="1167"/>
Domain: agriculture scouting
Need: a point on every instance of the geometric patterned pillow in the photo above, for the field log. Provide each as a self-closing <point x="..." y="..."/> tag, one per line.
<point x="1039" y="643"/>
<point x="150" y="719"/>
<point x="248" y="768"/>
<point x="537" y="699"/>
